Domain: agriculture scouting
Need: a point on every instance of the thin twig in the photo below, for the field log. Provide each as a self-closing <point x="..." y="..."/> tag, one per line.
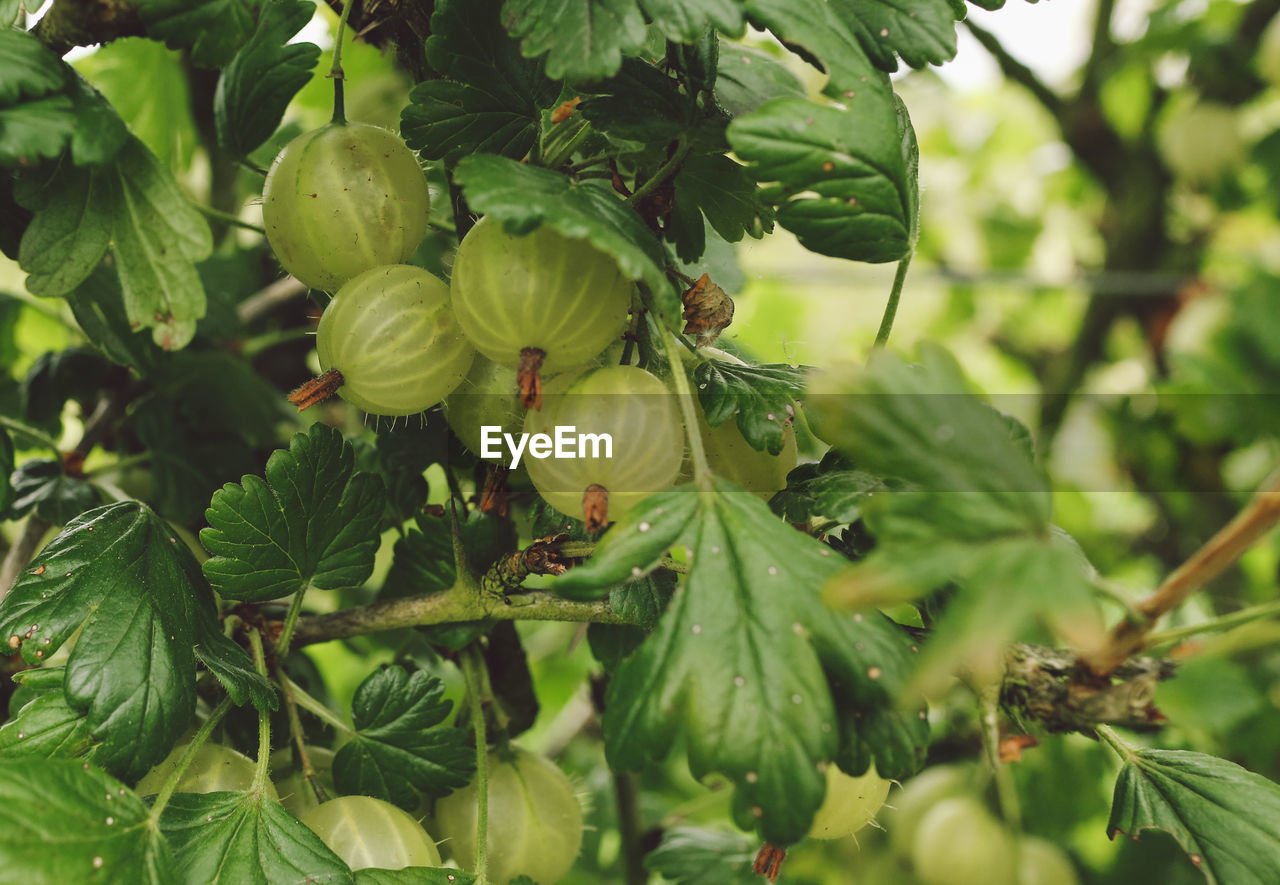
<point x="268" y="299"/>
<point x="1018" y="72"/>
<point x="1258" y="517"/>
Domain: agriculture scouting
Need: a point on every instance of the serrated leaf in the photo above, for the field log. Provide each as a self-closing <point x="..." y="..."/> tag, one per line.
<point x="838" y="174"/>
<point x="492" y="97"/>
<point x="157" y="236"/>
<point x="524" y="197"/>
<point x="643" y="600"/>
<point x="46" y="727"/>
<point x="41" y="486"/>
<point x="625" y="552"/>
<point x="119" y="576"/>
<point x="27" y="68"/>
<point x="692" y="856"/>
<point x="98" y="306"/>
<point x="831" y="489"/>
<point x="760" y="398"/>
<point x="35" y="129"/>
<point x="727" y="196"/>
<point x="245" y="839"/>
<point x="71" y="229"/>
<point x="66" y="821"/>
<point x="212" y="29"/>
<point x="922" y="32"/>
<point x="641" y="103"/>
<point x="583" y="39"/>
<point x="256" y="87"/>
<point x="760" y="678"/>
<point x="812" y="29"/>
<point x="313" y="522"/>
<point x="422" y="561"/>
<point x="400" y="749"/>
<point x="232" y="667"/>
<point x="921" y="424"/>
<point x="1220" y="813"/>
<point x="747" y="78"/>
<point x="684" y="21"/>
<point x="414" y="876"/>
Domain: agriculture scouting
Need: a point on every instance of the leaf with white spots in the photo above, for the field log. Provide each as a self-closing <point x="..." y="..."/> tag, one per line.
<point x="922" y="32"/>
<point x="245" y="839"/>
<point x="1221" y="814"/>
<point x="67" y="821"/>
<point x="762" y="680"/>
<point x="119" y="577"/>
<point x="45" y="726"/>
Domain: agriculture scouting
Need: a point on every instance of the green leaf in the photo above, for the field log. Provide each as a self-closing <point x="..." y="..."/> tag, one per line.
<point x="748" y="77"/>
<point x="35" y="129"/>
<point x="643" y="600"/>
<point x="66" y="821"/>
<point x="98" y="306"/>
<point x="638" y="540"/>
<point x="814" y="30"/>
<point x="7" y="494"/>
<point x="256" y="87"/>
<point x="727" y="196"/>
<point x="762" y="680"/>
<point x="402" y="748"/>
<point x="491" y="98"/>
<point x="761" y="398"/>
<point x="41" y="486"/>
<point x="524" y="197"/>
<point x="134" y="206"/>
<point x="923" y="32"/>
<point x="156" y="238"/>
<point x="71" y="229"/>
<point x="46" y="727"/>
<point x="27" y="68"/>
<point x="422" y="560"/>
<point x="313" y="522"/>
<point x="134" y="592"/>
<point x="414" y="876"/>
<point x="1220" y="813"/>
<point x="684" y="21"/>
<point x="921" y="424"/>
<point x="212" y="29"/>
<point x="583" y="39"/>
<point x="840" y="179"/>
<point x="692" y="856"/>
<point x="9" y="12"/>
<point x="641" y="103"/>
<point x="245" y="839"/>
<point x="832" y="489"/>
<point x="232" y="667"/>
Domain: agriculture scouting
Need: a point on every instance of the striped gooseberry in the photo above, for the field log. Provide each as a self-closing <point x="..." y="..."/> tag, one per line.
<point x="342" y="199"/>
<point x="541" y="302"/>
<point x="213" y="769"/>
<point x="370" y="833"/>
<point x="389" y="344"/>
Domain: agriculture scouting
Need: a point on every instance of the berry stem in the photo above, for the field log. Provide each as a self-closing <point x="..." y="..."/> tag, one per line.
<point x="683" y="146"/>
<point x="317" y="390"/>
<point x="891" y="309"/>
<point x="529" y="377"/>
<point x="688" y="411"/>
<point x="197" y="741"/>
<point x="335" y="70"/>
<point x="264" y="717"/>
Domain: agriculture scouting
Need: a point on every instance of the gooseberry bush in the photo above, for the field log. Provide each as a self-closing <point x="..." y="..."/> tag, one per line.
<point x="248" y="642"/>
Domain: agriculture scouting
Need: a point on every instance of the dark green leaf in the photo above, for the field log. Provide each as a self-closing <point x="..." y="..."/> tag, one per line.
<point x="690" y="856"/>
<point x="508" y="666"/>
<point x="831" y="489"/>
<point x="245" y="839"/>
<point x="726" y="194"/>
<point x="71" y="229"/>
<point x="764" y="695"/>
<point x="400" y="749"/>
<point x="643" y="600"/>
<point x="40" y="485"/>
<point x="35" y="129"/>
<point x="684" y="21"/>
<point x="761" y="398"/>
<point x="6" y="467"/>
<point x="232" y="667"/>
<point x="423" y="560"/>
<point x="46" y="727"/>
<point x="814" y="30"/>
<point x="99" y="132"/>
<point x="747" y="78"/>
<point x="583" y="39"/>
<point x="636" y="542"/>
<point x="1220" y="813"/>
<point x="491" y="98"/>
<point x="98" y="306"/>
<point x="66" y="821"/>
<point x="641" y="103"/>
<point x="58" y="376"/>
<point x="313" y="522"/>
<point x="610" y="643"/>
<point x="840" y="180"/>
<point x="27" y="68"/>
<point x="922" y="32"/>
<point x="414" y="876"/>
<point x="524" y="197"/>
<point x="134" y="592"/>
<point x="256" y="87"/>
<point x="212" y="29"/>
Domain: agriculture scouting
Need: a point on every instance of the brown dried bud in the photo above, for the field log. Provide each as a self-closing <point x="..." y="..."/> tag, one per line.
<point x="595" y="507"/>
<point x="529" y="377"/>
<point x="561" y="113"/>
<point x="317" y="390"/>
<point x="708" y="311"/>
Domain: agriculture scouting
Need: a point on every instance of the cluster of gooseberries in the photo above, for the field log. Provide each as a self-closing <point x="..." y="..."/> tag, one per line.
<point x="347" y="205"/>
<point x="535" y="819"/>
